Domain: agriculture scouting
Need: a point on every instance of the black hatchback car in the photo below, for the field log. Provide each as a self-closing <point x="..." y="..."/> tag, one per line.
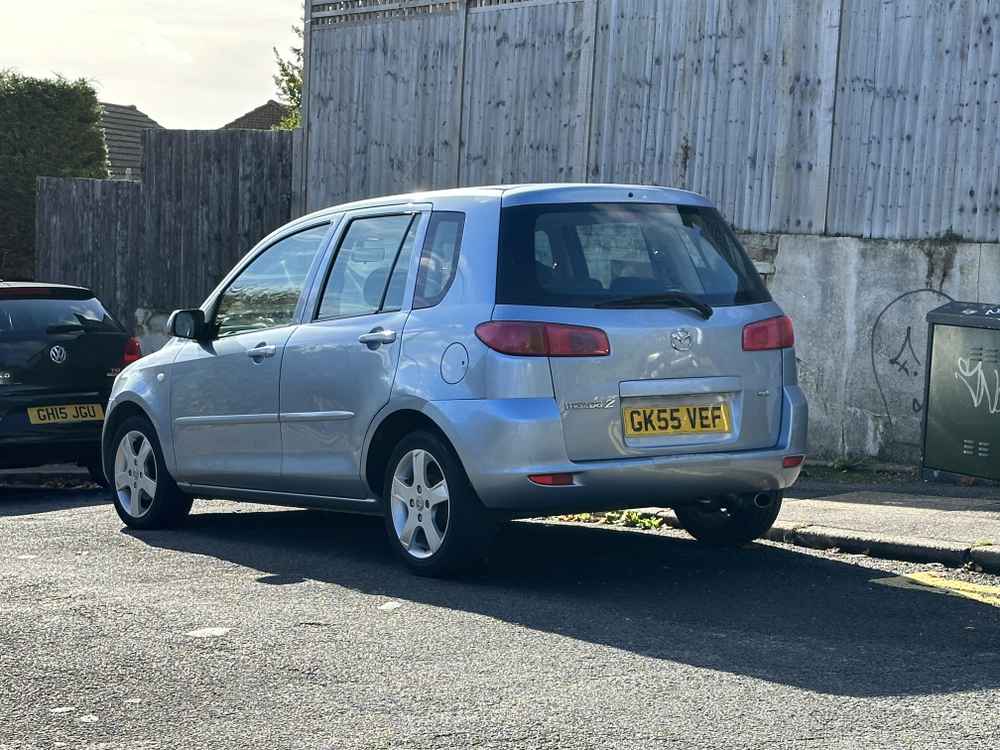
<point x="60" y="352"/>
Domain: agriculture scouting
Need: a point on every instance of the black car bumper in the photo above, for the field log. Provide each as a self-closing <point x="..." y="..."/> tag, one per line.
<point x="25" y="444"/>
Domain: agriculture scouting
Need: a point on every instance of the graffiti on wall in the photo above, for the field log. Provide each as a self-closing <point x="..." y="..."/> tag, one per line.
<point x="898" y="360"/>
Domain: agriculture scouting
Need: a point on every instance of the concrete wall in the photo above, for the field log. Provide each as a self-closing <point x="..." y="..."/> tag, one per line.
<point x="859" y="309"/>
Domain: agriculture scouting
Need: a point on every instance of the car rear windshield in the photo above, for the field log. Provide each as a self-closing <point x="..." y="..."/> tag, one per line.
<point x="34" y="316"/>
<point x="593" y="254"/>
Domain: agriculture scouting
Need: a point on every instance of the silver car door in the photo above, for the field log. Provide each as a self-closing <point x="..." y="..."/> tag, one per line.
<point x="338" y="369"/>
<point x="224" y="399"/>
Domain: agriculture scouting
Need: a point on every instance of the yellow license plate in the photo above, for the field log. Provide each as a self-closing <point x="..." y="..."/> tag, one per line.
<point x="683" y="419"/>
<point x="66" y="413"/>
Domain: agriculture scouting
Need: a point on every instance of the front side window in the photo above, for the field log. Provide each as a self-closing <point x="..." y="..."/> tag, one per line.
<point x="369" y="271"/>
<point x="267" y="291"/>
<point x="588" y="254"/>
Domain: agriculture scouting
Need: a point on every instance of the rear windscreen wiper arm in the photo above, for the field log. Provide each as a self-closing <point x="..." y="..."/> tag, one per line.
<point x="671" y="299"/>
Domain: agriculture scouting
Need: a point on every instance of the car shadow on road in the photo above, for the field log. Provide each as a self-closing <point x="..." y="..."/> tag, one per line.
<point x="761" y="611"/>
<point x="24" y="500"/>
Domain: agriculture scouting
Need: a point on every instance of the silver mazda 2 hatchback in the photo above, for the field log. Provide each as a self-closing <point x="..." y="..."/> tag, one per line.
<point x="452" y="359"/>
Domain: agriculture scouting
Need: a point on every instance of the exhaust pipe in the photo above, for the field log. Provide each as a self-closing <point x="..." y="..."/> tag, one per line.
<point x="763" y="500"/>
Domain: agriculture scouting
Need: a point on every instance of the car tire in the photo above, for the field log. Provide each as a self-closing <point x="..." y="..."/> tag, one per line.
<point x="730" y="526"/>
<point x="145" y="495"/>
<point x="437" y="526"/>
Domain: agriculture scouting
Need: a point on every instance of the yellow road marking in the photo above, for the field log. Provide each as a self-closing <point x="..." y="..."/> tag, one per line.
<point x="934" y="583"/>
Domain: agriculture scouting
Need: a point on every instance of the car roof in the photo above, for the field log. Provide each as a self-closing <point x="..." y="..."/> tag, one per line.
<point x="524" y="194"/>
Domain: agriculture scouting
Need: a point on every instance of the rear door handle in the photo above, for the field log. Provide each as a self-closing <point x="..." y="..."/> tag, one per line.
<point x="376" y="337"/>
<point x="262" y="351"/>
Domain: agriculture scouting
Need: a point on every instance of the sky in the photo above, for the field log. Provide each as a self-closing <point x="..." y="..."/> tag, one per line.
<point x="189" y="64"/>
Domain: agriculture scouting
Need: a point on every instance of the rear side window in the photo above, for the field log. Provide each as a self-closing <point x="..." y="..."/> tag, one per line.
<point x="585" y="254"/>
<point x="46" y="316"/>
<point x="439" y="259"/>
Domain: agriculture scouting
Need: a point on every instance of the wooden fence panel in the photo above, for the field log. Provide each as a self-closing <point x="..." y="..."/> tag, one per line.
<point x="206" y="198"/>
<point x="209" y="197"/>
<point x="876" y="119"/>
<point x="298" y="198"/>
<point x="915" y="150"/>
<point x="733" y="100"/>
<point x="90" y="232"/>
<point x="527" y="92"/>
<point x="384" y="102"/>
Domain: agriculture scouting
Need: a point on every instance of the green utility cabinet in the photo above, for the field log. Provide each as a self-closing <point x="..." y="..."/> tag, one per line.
<point x="962" y="414"/>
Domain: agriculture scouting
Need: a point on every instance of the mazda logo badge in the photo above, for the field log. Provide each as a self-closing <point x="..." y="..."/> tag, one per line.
<point x="57" y="354"/>
<point x="681" y="339"/>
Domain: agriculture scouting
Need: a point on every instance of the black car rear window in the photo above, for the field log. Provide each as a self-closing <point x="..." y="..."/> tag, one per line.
<point x="46" y="316"/>
<point x="586" y="254"/>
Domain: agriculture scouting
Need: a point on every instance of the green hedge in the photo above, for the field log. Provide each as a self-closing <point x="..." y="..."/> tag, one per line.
<point x="48" y="128"/>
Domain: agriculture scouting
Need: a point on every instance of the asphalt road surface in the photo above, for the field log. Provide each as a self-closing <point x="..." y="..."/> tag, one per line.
<point x="259" y="627"/>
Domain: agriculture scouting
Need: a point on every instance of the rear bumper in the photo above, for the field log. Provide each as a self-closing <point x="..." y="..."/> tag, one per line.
<point x="21" y="452"/>
<point x="502" y="442"/>
<point x="23" y="444"/>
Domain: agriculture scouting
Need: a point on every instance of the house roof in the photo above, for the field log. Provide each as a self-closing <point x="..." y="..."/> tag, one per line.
<point x="265" y="117"/>
<point x="123" y="126"/>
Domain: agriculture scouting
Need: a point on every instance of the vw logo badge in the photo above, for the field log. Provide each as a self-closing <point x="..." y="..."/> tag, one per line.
<point x="57" y="354"/>
<point x="681" y="339"/>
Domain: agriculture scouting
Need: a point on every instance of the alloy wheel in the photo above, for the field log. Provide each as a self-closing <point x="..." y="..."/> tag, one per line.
<point x="135" y="474"/>
<point x="419" y="503"/>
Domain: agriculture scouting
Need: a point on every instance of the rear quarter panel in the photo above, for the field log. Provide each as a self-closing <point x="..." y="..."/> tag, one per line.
<point x="429" y="332"/>
<point x="442" y="362"/>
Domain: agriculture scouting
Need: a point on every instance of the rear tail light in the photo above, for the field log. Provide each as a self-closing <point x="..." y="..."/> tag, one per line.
<point x="133" y="351"/>
<point x="773" y="333"/>
<point x="791" y="462"/>
<point x="530" y="339"/>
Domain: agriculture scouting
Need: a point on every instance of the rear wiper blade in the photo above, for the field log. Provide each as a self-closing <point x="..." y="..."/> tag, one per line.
<point x="671" y="299"/>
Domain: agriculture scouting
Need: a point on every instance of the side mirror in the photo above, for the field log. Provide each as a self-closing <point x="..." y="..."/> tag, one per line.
<point x="188" y="324"/>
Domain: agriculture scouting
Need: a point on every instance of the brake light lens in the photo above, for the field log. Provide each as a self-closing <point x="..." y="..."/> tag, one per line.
<point x="531" y="339"/>
<point x="773" y="333"/>
<point x="790" y="462"/>
<point x="133" y="351"/>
